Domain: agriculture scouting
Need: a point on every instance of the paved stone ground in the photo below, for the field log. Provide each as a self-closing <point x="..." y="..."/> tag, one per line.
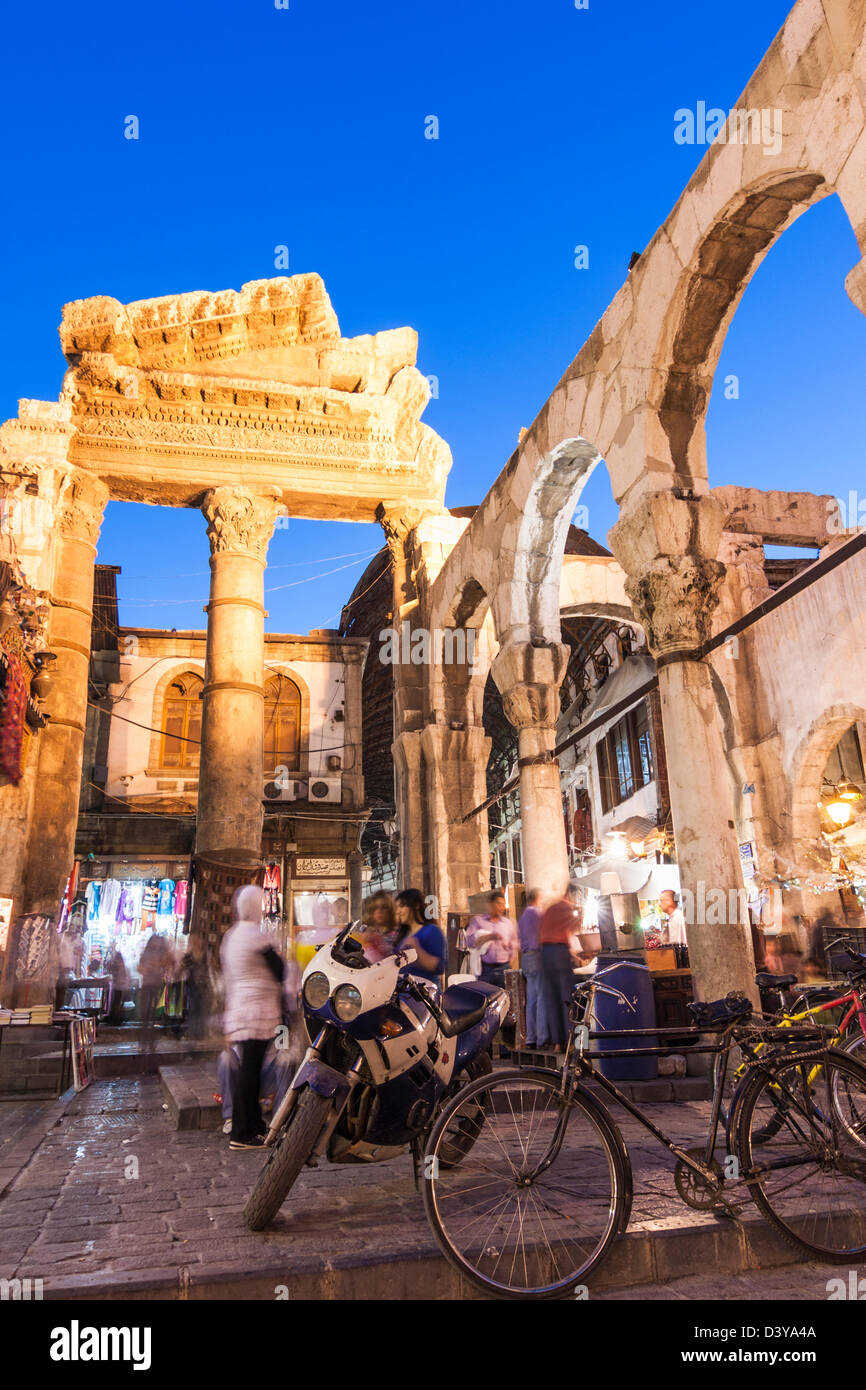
<point x="114" y="1193"/>
<point x="793" y="1283"/>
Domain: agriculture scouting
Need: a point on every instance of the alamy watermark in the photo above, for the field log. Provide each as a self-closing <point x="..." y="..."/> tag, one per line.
<point x="450" y="646"/>
<point x="739" y="126"/>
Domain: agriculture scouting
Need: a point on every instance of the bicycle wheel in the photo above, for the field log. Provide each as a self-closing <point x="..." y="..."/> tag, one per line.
<point x="849" y="1107"/>
<point x="809" y="1177"/>
<point x="511" y="1228"/>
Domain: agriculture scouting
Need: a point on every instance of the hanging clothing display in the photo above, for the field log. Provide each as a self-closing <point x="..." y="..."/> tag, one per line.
<point x="93" y="895"/>
<point x="181" y="896"/>
<point x="109" y="902"/>
<point x="13" y="709"/>
<point x="271" y="891"/>
<point x="165" y="902"/>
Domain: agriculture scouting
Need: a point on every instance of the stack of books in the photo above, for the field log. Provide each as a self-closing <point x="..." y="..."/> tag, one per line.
<point x="5" y="1017"/>
<point x="20" y="1016"/>
<point x="41" y="1013"/>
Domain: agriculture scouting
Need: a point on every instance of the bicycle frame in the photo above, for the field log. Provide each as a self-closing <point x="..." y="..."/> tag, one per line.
<point x="580" y="1066"/>
<point x="857" y="1010"/>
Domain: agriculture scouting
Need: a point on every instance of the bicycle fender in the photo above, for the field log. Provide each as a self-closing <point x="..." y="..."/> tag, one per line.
<point x="326" y="1081"/>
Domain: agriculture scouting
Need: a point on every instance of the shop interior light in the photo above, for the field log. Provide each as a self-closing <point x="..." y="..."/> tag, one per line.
<point x="638" y="847"/>
<point x="849" y="791"/>
<point x="839" y="812"/>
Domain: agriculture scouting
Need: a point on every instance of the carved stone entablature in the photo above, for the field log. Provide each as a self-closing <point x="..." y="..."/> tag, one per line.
<point x="182" y="330"/>
<point x="81" y="506"/>
<point x="166" y="395"/>
<point x="674" y="599"/>
<point x="240" y="522"/>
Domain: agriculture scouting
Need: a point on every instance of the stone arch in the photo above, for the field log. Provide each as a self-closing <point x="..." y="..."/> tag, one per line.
<point x="807" y="770"/>
<point x="467" y="642"/>
<point x="180" y="668"/>
<point x="704" y="304"/>
<point x="526" y="602"/>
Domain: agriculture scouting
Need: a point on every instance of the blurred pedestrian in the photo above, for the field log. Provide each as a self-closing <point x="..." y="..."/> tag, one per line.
<point x="417" y="931"/>
<point x="196" y="978"/>
<point x="556" y="930"/>
<point x="253" y="973"/>
<point x="154" y="964"/>
<point x="379" y="927"/>
<point x="120" y="984"/>
<point x="495" y="936"/>
<point x="530" y="964"/>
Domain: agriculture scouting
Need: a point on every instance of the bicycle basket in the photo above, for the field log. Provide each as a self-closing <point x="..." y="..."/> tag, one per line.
<point x="720" y="1012"/>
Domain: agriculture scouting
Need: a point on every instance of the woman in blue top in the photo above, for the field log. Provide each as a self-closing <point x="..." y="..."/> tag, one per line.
<point x="423" y="936"/>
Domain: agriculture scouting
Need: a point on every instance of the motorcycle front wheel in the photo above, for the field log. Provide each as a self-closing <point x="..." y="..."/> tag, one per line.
<point x="287" y="1157"/>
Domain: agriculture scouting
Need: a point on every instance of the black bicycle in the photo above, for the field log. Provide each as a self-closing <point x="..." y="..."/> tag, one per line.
<point x="535" y="1207"/>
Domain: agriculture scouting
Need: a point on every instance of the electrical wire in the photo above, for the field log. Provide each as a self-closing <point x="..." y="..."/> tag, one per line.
<point x="352" y="601"/>
<point x="273" y="589"/>
<point x="182" y="738"/>
<point x="286" y="565"/>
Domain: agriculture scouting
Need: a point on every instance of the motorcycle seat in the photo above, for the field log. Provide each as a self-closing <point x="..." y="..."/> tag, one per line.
<point x="462" y="1007"/>
<point x="765" y="979"/>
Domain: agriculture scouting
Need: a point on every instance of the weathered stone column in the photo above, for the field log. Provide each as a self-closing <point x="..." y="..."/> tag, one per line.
<point x="528" y="678"/>
<point x="229" y="818"/>
<point x="51" y="840"/>
<point x="455" y="775"/>
<point x="355" y="865"/>
<point x="669" y="546"/>
<point x="409" y="802"/>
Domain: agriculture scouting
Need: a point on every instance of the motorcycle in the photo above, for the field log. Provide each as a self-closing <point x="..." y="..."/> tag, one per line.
<point x="387" y="1052"/>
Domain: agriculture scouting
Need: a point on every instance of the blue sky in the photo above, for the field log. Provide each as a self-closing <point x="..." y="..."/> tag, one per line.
<point x="305" y="127"/>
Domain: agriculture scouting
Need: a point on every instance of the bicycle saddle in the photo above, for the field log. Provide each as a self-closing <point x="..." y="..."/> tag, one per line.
<point x="720" y="1012"/>
<point x="765" y="979"/>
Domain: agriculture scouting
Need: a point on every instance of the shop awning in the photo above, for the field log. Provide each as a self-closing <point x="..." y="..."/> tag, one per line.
<point x="634" y="672"/>
<point x="612" y="874"/>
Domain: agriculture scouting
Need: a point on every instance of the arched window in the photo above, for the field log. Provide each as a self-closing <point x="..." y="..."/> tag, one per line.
<point x="282" y="724"/>
<point x="181" y="723"/>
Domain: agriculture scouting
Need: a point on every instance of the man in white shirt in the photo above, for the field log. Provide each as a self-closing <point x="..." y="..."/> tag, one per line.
<point x="676" y="926"/>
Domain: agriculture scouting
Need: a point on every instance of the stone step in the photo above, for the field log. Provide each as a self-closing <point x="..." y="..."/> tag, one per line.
<point x="130" y="1059"/>
<point x="653" y="1255"/>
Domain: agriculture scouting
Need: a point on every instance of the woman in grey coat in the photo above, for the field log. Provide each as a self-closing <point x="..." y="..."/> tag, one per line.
<point x="253" y="977"/>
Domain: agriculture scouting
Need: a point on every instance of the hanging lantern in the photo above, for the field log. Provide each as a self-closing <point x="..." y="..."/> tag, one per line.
<point x="839" y="812"/>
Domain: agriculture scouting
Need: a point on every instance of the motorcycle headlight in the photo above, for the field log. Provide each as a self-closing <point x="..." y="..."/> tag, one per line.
<point x="347" y="1003"/>
<point x="317" y="989"/>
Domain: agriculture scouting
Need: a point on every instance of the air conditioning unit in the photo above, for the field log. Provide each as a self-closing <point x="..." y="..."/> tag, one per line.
<point x="326" y="789"/>
<point x="283" y="790"/>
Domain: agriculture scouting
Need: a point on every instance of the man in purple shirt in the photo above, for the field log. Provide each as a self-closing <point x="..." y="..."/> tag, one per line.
<point x="530" y="964"/>
<point x="495" y="935"/>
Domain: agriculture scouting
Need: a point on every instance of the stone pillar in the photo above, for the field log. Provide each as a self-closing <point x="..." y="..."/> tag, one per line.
<point x="456" y="765"/>
<point x="528" y="678"/>
<point x="51" y="839"/>
<point x="668" y="544"/>
<point x="409" y="802"/>
<point x="229" y="818"/>
<point x="356" y="884"/>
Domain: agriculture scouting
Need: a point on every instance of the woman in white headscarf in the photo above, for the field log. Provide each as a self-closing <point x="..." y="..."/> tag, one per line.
<point x="253" y="976"/>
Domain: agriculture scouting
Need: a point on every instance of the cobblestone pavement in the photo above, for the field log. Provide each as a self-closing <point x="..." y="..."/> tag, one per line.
<point x="112" y="1190"/>
<point x="792" y="1283"/>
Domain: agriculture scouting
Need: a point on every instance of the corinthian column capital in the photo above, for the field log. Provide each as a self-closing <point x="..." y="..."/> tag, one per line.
<point x="80" y="508"/>
<point x="528" y="678"/>
<point x="674" y="600"/>
<point x="240" y="521"/>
